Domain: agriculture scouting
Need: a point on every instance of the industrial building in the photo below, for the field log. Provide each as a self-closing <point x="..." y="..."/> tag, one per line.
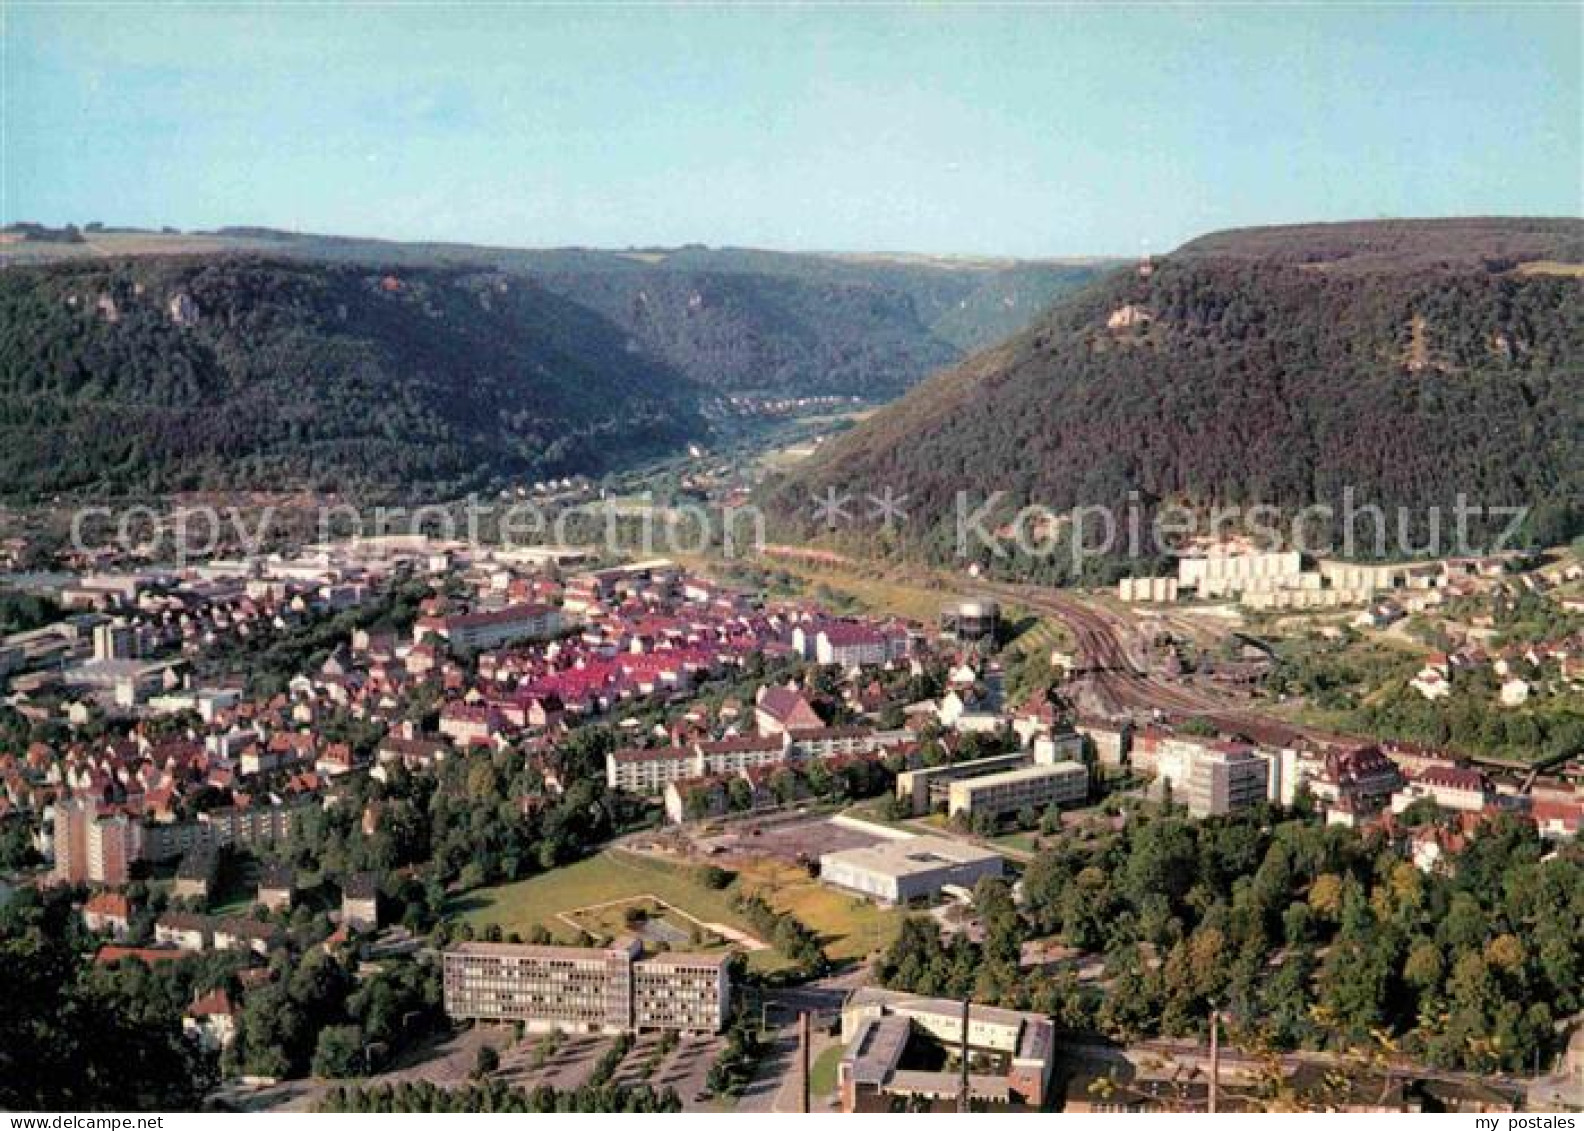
<point x="899" y="871"/>
<point x="587" y="989"/>
<point x="879" y="1025"/>
<point x="970" y="621"/>
<point x="1032" y="787"/>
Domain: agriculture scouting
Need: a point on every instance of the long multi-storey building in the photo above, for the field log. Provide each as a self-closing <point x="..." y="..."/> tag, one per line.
<point x="1032" y="787"/>
<point x="245" y="828"/>
<point x="640" y="770"/>
<point x="586" y="989"/>
<point x="470" y="632"/>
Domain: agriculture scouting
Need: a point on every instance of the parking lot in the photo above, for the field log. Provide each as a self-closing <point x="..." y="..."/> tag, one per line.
<point x="567" y="1062"/>
<point x="793" y="840"/>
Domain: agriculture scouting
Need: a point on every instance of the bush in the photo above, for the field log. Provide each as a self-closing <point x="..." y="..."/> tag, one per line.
<point x="339" y="1052"/>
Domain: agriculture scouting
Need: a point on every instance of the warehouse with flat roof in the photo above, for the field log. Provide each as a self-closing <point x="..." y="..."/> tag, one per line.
<point x="898" y="871"/>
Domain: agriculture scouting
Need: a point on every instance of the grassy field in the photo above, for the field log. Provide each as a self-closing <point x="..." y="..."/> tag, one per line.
<point x="1045" y="636"/>
<point x="850" y="927"/>
<point x="779" y="459"/>
<point x="889" y="593"/>
<point x="822" y="1073"/>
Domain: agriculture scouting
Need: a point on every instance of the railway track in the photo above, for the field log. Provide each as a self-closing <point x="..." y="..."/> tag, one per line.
<point x="1123" y="683"/>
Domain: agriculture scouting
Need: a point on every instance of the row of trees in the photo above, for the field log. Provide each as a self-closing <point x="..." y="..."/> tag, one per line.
<point x="496" y="1097"/>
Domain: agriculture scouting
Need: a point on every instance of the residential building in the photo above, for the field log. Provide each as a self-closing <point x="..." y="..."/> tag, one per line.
<point x="277" y="886"/>
<point x="1450" y="787"/>
<point x="211" y="1021"/>
<point x="1359" y="781"/>
<point x="735" y="755"/>
<point x="108" y="913"/>
<point x="818" y="743"/>
<point x="93" y="847"/>
<point x="780" y="709"/>
<point x="183" y="931"/>
<point x="196" y="875"/>
<point x="649" y="771"/>
<point x="471" y="632"/>
<point x="360" y="902"/>
<point x="851" y="645"/>
<point x="246" y="934"/>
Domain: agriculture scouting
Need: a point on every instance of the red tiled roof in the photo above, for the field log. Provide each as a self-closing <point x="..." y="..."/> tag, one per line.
<point x="110" y="903"/>
<point x="216" y="1003"/>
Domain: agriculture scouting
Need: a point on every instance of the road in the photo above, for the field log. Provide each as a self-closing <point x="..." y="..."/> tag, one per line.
<point x="774" y="1086"/>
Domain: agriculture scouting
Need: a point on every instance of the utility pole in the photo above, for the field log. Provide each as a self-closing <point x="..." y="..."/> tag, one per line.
<point x="1215" y="1057"/>
<point x="962" y="1052"/>
<point x="803" y="1062"/>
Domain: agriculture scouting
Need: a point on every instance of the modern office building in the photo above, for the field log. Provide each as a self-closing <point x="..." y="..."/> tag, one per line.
<point x="587" y="989"/>
<point x="1032" y="787"/>
<point x="1213" y="777"/>
<point x="897" y="871"/>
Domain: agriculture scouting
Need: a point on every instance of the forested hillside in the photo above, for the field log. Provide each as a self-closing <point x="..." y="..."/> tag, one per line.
<point x="167" y="373"/>
<point x="733" y="319"/>
<point x="1409" y="361"/>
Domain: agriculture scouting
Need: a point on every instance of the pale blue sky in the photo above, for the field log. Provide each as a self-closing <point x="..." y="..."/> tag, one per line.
<point x="1026" y="131"/>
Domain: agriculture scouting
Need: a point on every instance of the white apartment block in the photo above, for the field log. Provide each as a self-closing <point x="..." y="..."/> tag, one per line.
<point x="649" y="771"/>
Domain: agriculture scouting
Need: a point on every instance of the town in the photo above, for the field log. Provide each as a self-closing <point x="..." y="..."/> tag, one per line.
<point x="400" y="814"/>
<point x="818" y="559"/>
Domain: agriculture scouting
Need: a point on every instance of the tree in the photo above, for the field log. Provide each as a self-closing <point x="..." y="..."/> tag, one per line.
<point x="486" y="1062"/>
<point x="339" y="1052"/>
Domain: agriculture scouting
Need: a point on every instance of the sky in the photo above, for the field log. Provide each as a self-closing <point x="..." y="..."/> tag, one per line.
<point x="994" y="130"/>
